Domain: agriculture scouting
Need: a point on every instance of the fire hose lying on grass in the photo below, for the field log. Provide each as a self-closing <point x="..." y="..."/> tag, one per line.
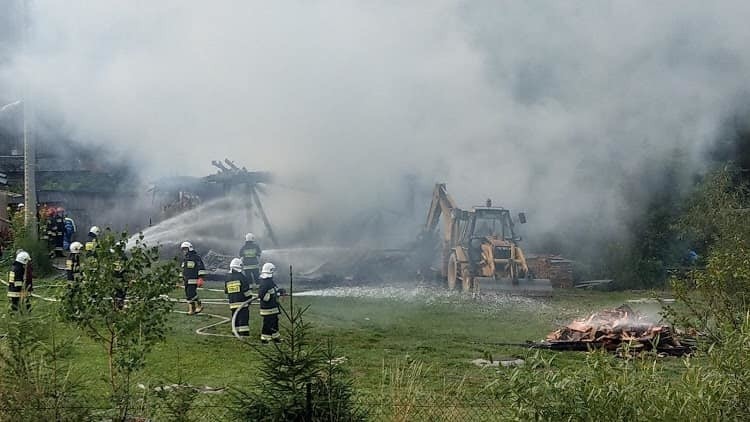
<point x="200" y="331"/>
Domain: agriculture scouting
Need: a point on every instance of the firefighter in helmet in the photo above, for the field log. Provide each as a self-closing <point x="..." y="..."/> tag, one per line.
<point x="269" y="293"/>
<point x="193" y="271"/>
<point x="237" y="288"/>
<point x="250" y="254"/>
<point x="19" y="281"/>
<point x="73" y="264"/>
<point x="94" y="233"/>
<point x="73" y="274"/>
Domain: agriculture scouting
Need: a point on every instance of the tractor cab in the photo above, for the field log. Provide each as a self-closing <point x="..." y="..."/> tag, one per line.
<point x="493" y="223"/>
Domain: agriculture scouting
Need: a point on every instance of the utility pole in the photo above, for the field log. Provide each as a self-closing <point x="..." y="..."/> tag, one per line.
<point x="29" y="150"/>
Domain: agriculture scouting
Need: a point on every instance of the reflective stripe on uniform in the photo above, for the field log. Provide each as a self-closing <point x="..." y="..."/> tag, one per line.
<point x="248" y="293"/>
<point x="14" y="294"/>
<point x="233" y="286"/>
<point x="193" y="281"/>
<point x="265" y="337"/>
<point x="202" y="272"/>
<point x="235" y="305"/>
<point x="270" y="311"/>
<point x="243" y="329"/>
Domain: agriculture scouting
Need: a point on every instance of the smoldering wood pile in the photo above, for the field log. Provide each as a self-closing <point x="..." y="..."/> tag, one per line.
<point x="613" y="328"/>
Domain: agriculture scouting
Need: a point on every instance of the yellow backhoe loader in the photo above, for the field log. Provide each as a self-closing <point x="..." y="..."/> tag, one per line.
<point x="479" y="246"/>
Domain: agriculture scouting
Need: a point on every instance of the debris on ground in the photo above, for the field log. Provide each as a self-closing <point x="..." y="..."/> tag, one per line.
<point x="552" y="267"/>
<point x="612" y="329"/>
<point x="505" y="363"/>
<point x="651" y="300"/>
<point x="593" y="284"/>
<point x="171" y="387"/>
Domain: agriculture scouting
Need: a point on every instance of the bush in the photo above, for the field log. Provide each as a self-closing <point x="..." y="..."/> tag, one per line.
<point x="35" y="383"/>
<point x="609" y="388"/>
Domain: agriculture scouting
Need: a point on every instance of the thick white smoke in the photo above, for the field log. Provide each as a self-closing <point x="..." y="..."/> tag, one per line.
<point x="543" y="106"/>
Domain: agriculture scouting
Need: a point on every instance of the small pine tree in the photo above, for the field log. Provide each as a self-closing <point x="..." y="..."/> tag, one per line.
<point x="35" y="383"/>
<point x="298" y="380"/>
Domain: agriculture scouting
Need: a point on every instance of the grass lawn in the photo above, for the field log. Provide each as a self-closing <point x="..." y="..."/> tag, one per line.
<point x="444" y="333"/>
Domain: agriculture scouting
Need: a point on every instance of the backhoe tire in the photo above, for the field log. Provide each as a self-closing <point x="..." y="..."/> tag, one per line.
<point x="452" y="272"/>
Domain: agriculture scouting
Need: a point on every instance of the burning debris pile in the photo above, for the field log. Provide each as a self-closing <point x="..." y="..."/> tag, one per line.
<point x="612" y="328"/>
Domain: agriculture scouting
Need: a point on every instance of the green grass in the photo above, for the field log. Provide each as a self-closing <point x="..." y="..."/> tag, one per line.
<point x="370" y="333"/>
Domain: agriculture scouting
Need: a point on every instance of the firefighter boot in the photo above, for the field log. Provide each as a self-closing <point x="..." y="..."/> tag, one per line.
<point x="191" y="308"/>
<point x="198" y="307"/>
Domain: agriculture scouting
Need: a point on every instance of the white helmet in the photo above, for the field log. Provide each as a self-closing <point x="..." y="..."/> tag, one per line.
<point x="236" y="264"/>
<point x="268" y="270"/>
<point x="76" y="247"/>
<point x="249" y="237"/>
<point x="23" y="257"/>
<point x="95" y="230"/>
<point x="21" y="205"/>
<point x="187" y="245"/>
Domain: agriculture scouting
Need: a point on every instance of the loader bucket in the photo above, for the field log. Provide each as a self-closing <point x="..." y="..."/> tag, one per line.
<point x="535" y="286"/>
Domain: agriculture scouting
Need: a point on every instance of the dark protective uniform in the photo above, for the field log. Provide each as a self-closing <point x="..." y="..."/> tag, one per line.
<point x="237" y="288"/>
<point x="58" y="232"/>
<point x="269" y="310"/>
<point x="73" y="274"/>
<point x="192" y="270"/>
<point x="90" y="244"/>
<point x="73" y="268"/>
<point x="49" y="234"/>
<point x="19" y="286"/>
<point x="250" y="254"/>
<point x="121" y="288"/>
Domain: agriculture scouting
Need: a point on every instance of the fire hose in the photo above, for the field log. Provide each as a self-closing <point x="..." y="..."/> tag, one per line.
<point x="200" y="331"/>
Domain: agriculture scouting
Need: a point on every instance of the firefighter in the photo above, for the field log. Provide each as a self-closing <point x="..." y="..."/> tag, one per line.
<point x="73" y="275"/>
<point x="70" y="231"/>
<point x="193" y="271"/>
<point x="19" y="281"/>
<point x="268" y="293"/>
<point x="237" y="288"/>
<point x="94" y="233"/>
<point x="73" y="264"/>
<point x="47" y="217"/>
<point x="58" y="233"/>
<point x="250" y="254"/>
<point x="121" y="288"/>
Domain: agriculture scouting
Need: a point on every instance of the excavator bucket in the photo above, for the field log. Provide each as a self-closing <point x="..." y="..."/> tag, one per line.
<point x="532" y="287"/>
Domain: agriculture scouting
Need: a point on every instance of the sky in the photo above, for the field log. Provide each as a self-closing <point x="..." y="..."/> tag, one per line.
<point x="545" y="106"/>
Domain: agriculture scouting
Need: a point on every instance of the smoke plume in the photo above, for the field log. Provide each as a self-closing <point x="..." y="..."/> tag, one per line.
<point x="546" y="107"/>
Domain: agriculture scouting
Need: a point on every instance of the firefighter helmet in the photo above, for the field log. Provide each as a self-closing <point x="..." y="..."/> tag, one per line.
<point x="249" y="237"/>
<point x="76" y="247"/>
<point x="236" y="264"/>
<point x="95" y="230"/>
<point x="23" y="257"/>
<point x="186" y="245"/>
<point x="268" y="270"/>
